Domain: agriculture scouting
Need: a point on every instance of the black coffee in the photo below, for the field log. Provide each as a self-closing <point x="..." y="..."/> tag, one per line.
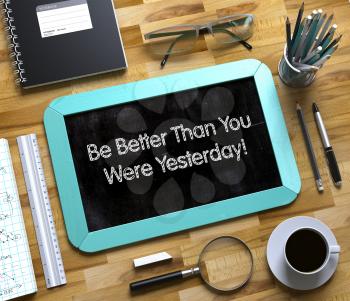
<point x="306" y="250"/>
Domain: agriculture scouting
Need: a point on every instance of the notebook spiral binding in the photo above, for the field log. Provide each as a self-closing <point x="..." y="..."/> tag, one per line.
<point x="14" y="46"/>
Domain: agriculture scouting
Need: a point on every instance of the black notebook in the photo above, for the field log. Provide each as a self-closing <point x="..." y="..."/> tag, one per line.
<point x="55" y="41"/>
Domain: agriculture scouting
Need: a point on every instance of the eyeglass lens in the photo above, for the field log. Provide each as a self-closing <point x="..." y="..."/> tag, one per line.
<point x="233" y="29"/>
<point x="172" y="40"/>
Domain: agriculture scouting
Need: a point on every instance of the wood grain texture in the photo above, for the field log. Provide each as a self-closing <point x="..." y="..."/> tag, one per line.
<point x="106" y="275"/>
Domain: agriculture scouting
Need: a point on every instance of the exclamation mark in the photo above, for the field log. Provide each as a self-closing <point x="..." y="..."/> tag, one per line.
<point x="244" y="147"/>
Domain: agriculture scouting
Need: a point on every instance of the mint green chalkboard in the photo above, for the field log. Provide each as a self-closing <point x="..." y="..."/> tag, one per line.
<point x="68" y="183"/>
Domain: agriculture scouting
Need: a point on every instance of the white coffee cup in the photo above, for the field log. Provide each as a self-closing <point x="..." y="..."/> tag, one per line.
<point x="312" y="242"/>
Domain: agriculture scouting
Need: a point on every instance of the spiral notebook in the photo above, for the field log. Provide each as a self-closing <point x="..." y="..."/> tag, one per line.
<point x="16" y="270"/>
<point x="55" y="41"/>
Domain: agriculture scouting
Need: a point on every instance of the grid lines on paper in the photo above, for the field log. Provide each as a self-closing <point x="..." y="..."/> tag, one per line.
<point x="16" y="270"/>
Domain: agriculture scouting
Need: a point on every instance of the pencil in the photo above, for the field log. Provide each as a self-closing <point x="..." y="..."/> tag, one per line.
<point x="315" y="58"/>
<point x="304" y="67"/>
<point x="310" y="149"/>
<point x="289" y="41"/>
<point x="301" y="45"/>
<point x="328" y="38"/>
<point x="332" y="44"/>
<point x="322" y="60"/>
<point x="324" y="30"/>
<point x="311" y="55"/>
<point x="297" y="23"/>
<point x="311" y="35"/>
<point x="298" y="37"/>
<point x="321" y="21"/>
<point x="325" y="56"/>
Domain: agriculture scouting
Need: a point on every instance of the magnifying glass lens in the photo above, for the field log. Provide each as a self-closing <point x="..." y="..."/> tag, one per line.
<point x="226" y="263"/>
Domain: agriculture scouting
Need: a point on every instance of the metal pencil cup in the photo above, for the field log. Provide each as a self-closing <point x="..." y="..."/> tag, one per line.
<point x="292" y="76"/>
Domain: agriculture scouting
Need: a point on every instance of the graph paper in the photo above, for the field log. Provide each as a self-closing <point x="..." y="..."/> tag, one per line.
<point x="16" y="270"/>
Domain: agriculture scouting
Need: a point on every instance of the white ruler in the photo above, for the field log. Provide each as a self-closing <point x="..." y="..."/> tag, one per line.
<point x="41" y="211"/>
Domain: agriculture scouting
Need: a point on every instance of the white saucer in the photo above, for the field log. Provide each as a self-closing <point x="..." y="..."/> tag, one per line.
<point x="275" y="254"/>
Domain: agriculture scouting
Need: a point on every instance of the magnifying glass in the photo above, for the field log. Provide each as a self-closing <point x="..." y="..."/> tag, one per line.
<point x="225" y="265"/>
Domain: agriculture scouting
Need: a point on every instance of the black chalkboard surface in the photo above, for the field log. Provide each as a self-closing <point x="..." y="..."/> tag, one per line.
<point x="180" y="150"/>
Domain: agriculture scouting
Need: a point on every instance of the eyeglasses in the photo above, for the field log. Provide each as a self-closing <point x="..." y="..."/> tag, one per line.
<point x="182" y="38"/>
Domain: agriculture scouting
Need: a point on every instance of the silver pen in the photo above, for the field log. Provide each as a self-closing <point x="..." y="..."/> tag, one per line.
<point x="331" y="160"/>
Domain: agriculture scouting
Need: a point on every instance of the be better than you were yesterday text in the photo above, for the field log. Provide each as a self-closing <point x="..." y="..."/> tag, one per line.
<point x="182" y="134"/>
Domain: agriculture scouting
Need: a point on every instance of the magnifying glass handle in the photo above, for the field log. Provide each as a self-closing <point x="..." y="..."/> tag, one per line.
<point x="134" y="286"/>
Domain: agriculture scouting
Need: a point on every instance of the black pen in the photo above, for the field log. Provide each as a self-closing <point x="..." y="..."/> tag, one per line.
<point x="332" y="162"/>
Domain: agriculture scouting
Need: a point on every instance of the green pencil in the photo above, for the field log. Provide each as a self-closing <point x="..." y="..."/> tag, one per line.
<point x="332" y="44"/>
<point x="297" y="23"/>
<point x="324" y="30"/>
<point x="321" y="21"/>
<point x="314" y="59"/>
<point x="289" y="41"/>
<point x="301" y="45"/>
<point x="321" y="61"/>
<point x="298" y="37"/>
<point x="328" y="37"/>
<point x="311" y="35"/>
<point x="330" y="51"/>
<point x="311" y="55"/>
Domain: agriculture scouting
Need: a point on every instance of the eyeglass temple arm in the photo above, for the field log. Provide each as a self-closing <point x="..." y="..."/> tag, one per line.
<point x="151" y="35"/>
<point x="241" y="41"/>
<point x="166" y="56"/>
<point x="165" y="34"/>
<point x="171" y="46"/>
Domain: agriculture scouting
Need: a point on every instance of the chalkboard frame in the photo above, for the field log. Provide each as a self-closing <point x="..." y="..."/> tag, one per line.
<point x="67" y="182"/>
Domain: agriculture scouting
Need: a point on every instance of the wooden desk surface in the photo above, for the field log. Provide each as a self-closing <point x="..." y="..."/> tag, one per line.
<point x="105" y="276"/>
